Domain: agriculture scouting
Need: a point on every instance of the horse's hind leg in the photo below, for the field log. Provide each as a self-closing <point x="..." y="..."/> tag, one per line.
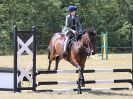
<point x="57" y="59"/>
<point x="51" y="58"/>
<point x="49" y="66"/>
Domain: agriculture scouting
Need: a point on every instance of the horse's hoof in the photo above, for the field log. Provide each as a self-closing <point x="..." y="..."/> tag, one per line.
<point x="48" y="69"/>
<point x="79" y="92"/>
<point x="55" y="69"/>
<point x="82" y="85"/>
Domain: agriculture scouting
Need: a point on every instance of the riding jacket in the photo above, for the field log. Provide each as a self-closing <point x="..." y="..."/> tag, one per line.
<point x="73" y="23"/>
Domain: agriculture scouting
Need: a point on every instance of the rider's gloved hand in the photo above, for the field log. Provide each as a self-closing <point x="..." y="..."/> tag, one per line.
<point x="79" y="36"/>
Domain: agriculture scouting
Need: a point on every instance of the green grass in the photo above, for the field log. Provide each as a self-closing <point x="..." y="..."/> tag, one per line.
<point x="115" y="61"/>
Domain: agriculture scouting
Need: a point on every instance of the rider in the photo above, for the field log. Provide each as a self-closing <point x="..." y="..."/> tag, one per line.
<point x="72" y="24"/>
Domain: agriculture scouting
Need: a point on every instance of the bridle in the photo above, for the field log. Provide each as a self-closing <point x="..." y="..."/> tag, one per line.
<point x="88" y="48"/>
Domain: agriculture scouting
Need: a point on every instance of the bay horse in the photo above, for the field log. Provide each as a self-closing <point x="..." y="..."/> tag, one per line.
<point x="78" y="52"/>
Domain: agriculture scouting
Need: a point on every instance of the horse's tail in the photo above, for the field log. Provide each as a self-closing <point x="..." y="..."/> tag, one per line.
<point x="48" y="53"/>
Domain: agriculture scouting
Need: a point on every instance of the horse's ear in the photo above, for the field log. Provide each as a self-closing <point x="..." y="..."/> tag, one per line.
<point x="79" y="36"/>
<point x="84" y="31"/>
<point x="92" y="33"/>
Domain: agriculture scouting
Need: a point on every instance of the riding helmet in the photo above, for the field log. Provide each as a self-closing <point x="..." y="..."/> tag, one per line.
<point x="71" y="8"/>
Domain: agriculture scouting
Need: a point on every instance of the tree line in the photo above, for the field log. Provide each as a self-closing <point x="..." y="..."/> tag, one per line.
<point x="113" y="16"/>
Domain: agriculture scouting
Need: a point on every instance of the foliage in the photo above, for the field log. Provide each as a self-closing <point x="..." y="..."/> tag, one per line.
<point x="114" y="16"/>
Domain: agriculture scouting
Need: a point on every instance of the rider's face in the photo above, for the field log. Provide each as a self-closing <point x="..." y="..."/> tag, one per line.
<point x="73" y="13"/>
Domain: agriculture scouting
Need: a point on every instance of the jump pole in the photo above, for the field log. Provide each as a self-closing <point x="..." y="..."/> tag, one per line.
<point x="34" y="30"/>
<point x="15" y="57"/>
<point x="132" y="57"/>
<point x="104" y="45"/>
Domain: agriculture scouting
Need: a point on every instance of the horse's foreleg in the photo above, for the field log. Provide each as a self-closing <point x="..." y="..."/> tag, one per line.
<point x="79" y="82"/>
<point x="57" y="59"/>
<point x="82" y="78"/>
<point x="79" y="79"/>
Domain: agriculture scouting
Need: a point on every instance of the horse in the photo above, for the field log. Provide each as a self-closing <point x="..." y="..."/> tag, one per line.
<point x="78" y="51"/>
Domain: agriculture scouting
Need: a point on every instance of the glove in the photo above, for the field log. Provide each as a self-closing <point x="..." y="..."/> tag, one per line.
<point x="79" y="36"/>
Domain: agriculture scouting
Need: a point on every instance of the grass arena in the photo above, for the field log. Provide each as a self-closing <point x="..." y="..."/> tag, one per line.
<point x="115" y="61"/>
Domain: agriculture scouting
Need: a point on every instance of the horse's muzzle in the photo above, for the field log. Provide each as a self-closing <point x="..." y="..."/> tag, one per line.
<point x="92" y="52"/>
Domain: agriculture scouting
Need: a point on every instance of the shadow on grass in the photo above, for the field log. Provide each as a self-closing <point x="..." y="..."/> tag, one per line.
<point x="109" y="93"/>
